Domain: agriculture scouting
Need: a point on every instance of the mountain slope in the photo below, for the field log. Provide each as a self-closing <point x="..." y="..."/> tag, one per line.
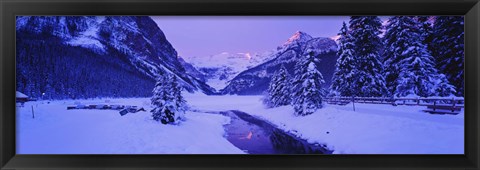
<point x="81" y="57"/>
<point x="221" y="68"/>
<point x="255" y="80"/>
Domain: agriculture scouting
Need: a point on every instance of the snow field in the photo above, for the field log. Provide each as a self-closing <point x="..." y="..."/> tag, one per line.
<point x="56" y="130"/>
<point x="371" y="129"/>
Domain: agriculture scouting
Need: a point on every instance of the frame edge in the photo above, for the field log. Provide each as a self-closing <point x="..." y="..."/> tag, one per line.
<point x="472" y="27"/>
<point x="7" y="155"/>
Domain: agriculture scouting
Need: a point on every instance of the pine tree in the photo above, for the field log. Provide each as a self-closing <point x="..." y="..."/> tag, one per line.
<point x="419" y="77"/>
<point x="180" y="102"/>
<point x="159" y="99"/>
<point x="397" y="39"/>
<point x="279" y="89"/>
<point x="369" y="81"/>
<point x="449" y="49"/>
<point x="426" y="29"/>
<point x="307" y="89"/>
<point x="443" y="87"/>
<point x="169" y="105"/>
<point x="345" y="67"/>
<point x="417" y="74"/>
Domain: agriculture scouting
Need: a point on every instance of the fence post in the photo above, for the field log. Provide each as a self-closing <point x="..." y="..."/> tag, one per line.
<point x="33" y="114"/>
<point x="418" y="100"/>
<point x="434" y="104"/>
<point x="453" y="103"/>
<point x="353" y="103"/>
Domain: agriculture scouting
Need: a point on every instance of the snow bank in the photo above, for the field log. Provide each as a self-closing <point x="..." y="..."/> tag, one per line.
<point x="371" y="129"/>
<point x="56" y="130"/>
<point x="20" y="95"/>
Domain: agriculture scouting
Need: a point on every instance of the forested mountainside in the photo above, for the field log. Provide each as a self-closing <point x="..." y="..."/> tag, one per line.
<point x="256" y="79"/>
<point x="84" y="57"/>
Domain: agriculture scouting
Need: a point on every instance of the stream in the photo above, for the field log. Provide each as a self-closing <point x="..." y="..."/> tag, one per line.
<point x="255" y="136"/>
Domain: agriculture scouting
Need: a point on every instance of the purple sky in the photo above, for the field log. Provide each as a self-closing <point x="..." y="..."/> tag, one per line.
<point x="210" y="35"/>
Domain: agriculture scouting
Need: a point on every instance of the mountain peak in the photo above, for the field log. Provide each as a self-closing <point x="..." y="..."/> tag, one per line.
<point x="298" y="37"/>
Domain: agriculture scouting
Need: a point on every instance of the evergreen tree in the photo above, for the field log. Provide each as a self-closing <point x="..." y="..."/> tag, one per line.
<point x="180" y="103"/>
<point x="398" y="38"/>
<point x="443" y="87"/>
<point x="449" y="49"/>
<point x="419" y="77"/>
<point x="417" y="74"/>
<point x="159" y="99"/>
<point x="369" y="81"/>
<point x="426" y="29"/>
<point x="279" y="89"/>
<point x="307" y="89"/>
<point x="345" y="67"/>
<point x="169" y="105"/>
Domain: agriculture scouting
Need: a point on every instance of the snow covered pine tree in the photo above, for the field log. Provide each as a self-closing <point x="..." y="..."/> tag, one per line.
<point x="395" y="43"/>
<point x="449" y="49"/>
<point x="279" y="89"/>
<point x="369" y="81"/>
<point x="411" y="68"/>
<point x="169" y="105"/>
<point x="180" y="103"/>
<point x="426" y="29"/>
<point x="158" y="100"/>
<point x="345" y="67"/>
<point x="307" y="92"/>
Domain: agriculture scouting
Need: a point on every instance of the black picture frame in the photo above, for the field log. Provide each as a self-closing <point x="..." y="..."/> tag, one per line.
<point x="10" y="8"/>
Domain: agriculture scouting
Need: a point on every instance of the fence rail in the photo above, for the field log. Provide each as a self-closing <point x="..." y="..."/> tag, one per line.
<point x="454" y="101"/>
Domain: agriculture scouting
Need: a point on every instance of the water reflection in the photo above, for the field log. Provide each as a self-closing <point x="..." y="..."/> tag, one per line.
<point x="249" y="136"/>
<point x="256" y="136"/>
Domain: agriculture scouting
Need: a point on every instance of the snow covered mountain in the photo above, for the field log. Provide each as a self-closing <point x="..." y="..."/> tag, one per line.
<point x="255" y="80"/>
<point x="133" y="46"/>
<point x="221" y="68"/>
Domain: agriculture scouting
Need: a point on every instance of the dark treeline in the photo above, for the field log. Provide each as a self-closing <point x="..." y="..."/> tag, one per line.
<point x="417" y="56"/>
<point x="46" y="68"/>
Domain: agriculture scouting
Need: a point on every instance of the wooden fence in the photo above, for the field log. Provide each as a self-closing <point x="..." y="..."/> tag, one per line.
<point x="419" y="101"/>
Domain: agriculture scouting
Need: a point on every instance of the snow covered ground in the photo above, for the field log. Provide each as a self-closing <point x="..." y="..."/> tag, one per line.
<point x="56" y="130"/>
<point x="371" y="129"/>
